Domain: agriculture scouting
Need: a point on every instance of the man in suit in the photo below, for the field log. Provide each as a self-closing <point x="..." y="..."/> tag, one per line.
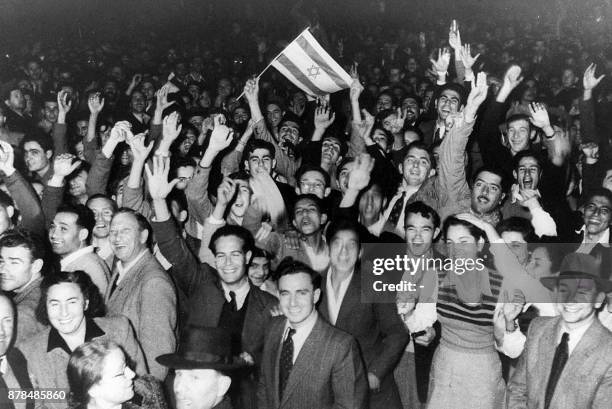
<point x="379" y="331"/>
<point x="301" y="346"/>
<point x="216" y="298"/>
<point x="567" y="361"/>
<point x="13" y="365"/>
<point x="141" y="290"/>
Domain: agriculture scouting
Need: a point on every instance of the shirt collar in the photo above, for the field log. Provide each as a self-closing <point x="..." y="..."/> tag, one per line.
<point x="304" y="330"/>
<point x="124" y="269"/>
<point x="240" y="292"/>
<point x="92" y="330"/>
<point x="603" y="239"/>
<point x="575" y="335"/>
<point x="3" y="365"/>
<point x="64" y="262"/>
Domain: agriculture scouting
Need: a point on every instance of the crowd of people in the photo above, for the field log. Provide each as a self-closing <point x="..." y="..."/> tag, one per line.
<point x="176" y="231"/>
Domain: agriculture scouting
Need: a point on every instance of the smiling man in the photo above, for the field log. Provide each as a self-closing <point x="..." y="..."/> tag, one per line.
<point x="567" y="361"/>
<point x="70" y="236"/>
<point x="140" y="289"/>
<point x="309" y="348"/>
<point x="21" y="263"/>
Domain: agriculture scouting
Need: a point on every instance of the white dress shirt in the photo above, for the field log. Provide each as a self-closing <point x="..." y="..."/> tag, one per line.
<point x="241" y="293"/>
<point x="333" y="303"/>
<point x="575" y="335"/>
<point x="301" y="333"/>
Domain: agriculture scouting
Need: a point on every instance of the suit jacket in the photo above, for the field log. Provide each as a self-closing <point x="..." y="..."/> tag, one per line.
<point x="586" y="380"/>
<point x="379" y="331"/>
<point x="328" y="372"/>
<point x="200" y="282"/>
<point x="146" y="296"/>
<point x="17" y="366"/>
<point x="26" y="303"/>
<point x="47" y="360"/>
<point x="599" y="251"/>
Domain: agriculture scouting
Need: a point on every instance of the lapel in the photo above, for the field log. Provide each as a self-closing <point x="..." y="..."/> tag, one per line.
<point x="127" y="281"/>
<point x="252" y="318"/>
<point x="303" y="364"/>
<point x="19" y="365"/>
<point x="351" y="300"/>
<point x="214" y="300"/>
<point x="544" y="357"/>
<point x="277" y="338"/>
<point x="323" y="310"/>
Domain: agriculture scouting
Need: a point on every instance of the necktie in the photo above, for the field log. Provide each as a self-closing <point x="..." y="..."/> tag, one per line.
<point x="286" y="362"/>
<point x="396" y="210"/>
<point x="113" y="286"/>
<point x="561" y="355"/>
<point x="233" y="301"/>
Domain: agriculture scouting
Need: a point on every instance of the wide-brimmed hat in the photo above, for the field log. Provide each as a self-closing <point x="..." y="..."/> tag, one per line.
<point x="203" y="348"/>
<point x="578" y="265"/>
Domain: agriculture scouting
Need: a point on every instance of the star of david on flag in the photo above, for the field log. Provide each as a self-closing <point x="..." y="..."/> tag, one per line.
<point x="307" y="65"/>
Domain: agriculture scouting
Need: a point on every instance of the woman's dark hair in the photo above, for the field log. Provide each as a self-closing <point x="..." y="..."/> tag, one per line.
<point x="85" y="369"/>
<point x="90" y="292"/>
<point x="453" y="221"/>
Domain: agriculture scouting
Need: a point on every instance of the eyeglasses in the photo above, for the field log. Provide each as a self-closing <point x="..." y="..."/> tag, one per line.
<point x="305" y="185"/>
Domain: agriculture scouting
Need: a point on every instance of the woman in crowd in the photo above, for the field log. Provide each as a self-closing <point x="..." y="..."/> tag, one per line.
<point x="100" y="377"/>
<point x="72" y="307"/>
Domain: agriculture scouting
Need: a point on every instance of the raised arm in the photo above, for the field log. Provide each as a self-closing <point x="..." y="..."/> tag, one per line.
<point x="100" y="169"/>
<point x="558" y="145"/>
<point x="133" y="195"/>
<point x="53" y="193"/>
<point x="60" y="142"/>
<point x="21" y="191"/>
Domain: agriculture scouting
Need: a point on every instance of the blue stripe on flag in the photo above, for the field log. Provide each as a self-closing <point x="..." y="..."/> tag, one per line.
<point x="312" y="53"/>
<point x="299" y="75"/>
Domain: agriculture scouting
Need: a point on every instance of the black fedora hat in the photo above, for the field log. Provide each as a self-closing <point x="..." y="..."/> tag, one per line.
<point x="203" y="348"/>
<point x="579" y="265"/>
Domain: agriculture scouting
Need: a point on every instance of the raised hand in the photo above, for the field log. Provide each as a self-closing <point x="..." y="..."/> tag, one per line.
<point x="226" y="191"/>
<point x="162" y="97"/>
<point x="120" y="131"/>
<point x="590" y="81"/>
<point x="251" y="90"/>
<point x="356" y="87"/>
<point x="7" y="158"/>
<point x="159" y="187"/>
<point x="454" y="38"/>
<point x="324" y="117"/>
<point x="139" y="149"/>
<point x="512" y="308"/>
<point x="64" y="165"/>
<point x="539" y="115"/>
<point x="136" y="79"/>
<point x="95" y="103"/>
<point x="477" y="96"/>
<point x="513" y="77"/>
<point x="63" y="103"/>
<point x="397" y="124"/>
<point x="221" y="136"/>
<point x="440" y="65"/>
<point x="359" y="177"/>
<point x="465" y="53"/>
<point x="171" y="127"/>
<point x="591" y="152"/>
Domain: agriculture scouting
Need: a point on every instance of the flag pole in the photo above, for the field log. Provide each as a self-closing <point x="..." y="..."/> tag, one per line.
<point x="272" y="62"/>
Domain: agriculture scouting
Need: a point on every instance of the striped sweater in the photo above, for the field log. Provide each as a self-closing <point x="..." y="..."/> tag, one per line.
<point x="465" y="326"/>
